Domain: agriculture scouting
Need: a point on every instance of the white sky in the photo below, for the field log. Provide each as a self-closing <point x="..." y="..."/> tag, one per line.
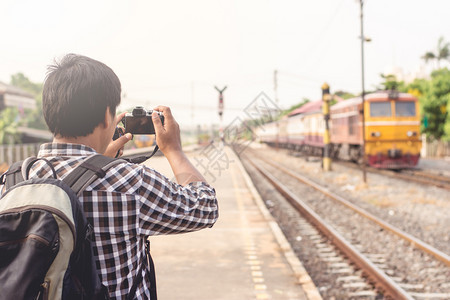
<point x="174" y="52"/>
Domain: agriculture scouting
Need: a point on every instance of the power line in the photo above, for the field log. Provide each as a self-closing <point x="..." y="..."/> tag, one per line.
<point x="134" y="102"/>
<point x="322" y="34"/>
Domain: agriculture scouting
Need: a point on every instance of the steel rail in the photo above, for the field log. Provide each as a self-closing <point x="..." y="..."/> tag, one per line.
<point x="411" y="175"/>
<point x="441" y="256"/>
<point x="379" y="278"/>
<point x="440" y="183"/>
<point x="428" y="175"/>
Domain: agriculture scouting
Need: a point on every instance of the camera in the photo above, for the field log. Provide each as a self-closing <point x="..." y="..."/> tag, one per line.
<point x="140" y="121"/>
<point x="118" y="133"/>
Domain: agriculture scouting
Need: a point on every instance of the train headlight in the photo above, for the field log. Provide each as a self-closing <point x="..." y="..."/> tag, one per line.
<point x="375" y="134"/>
<point x="411" y="133"/>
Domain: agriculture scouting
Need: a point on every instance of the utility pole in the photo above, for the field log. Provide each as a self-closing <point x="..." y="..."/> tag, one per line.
<point x="275" y="90"/>
<point x="192" y="108"/>
<point x="221" y="110"/>
<point x="275" y="84"/>
<point x="326" y="137"/>
<point x="362" y="95"/>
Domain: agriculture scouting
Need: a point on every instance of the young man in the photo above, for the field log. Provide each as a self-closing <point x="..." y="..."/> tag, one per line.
<point x="132" y="201"/>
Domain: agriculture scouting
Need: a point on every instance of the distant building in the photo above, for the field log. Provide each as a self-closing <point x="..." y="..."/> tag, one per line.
<point x="11" y="96"/>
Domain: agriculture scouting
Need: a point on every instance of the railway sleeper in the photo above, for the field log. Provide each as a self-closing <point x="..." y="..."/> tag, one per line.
<point x="366" y="293"/>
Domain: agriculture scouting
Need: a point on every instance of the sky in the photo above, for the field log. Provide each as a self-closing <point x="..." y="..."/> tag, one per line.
<point x="173" y="53"/>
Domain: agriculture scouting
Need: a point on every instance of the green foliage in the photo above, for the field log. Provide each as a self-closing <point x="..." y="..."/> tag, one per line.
<point x="442" y="53"/>
<point x="294" y="107"/>
<point x="21" y="81"/>
<point x="344" y="94"/>
<point x="417" y="88"/>
<point x="33" y="118"/>
<point x="390" y="82"/>
<point x="434" y="98"/>
<point x="8" y="126"/>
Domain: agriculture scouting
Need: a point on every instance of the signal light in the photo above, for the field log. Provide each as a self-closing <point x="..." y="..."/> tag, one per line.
<point x="375" y="134"/>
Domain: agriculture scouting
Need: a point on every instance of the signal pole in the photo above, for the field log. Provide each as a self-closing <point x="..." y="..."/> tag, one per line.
<point x="326" y="137"/>
<point x="362" y="95"/>
<point x="275" y="90"/>
<point x="192" y="108"/>
<point x="221" y="109"/>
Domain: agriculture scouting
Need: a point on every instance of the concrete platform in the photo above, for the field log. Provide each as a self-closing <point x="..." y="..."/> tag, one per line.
<point x="239" y="258"/>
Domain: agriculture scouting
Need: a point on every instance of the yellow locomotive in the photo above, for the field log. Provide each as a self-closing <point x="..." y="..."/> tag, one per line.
<point x="392" y="129"/>
<point x="143" y="140"/>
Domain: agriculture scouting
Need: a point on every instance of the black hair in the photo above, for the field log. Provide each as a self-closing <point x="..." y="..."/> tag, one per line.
<point x="76" y="94"/>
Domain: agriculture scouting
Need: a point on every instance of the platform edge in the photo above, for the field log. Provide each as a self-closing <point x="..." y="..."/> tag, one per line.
<point x="300" y="273"/>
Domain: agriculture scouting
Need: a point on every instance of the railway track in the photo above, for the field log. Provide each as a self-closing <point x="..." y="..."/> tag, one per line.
<point x="429" y="178"/>
<point x="373" y="265"/>
<point x="410" y="175"/>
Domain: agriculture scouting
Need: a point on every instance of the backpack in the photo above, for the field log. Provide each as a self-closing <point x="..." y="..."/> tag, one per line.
<point x="45" y="239"/>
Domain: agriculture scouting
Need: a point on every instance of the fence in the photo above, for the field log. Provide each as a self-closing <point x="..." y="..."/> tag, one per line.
<point x="435" y="149"/>
<point x="12" y="153"/>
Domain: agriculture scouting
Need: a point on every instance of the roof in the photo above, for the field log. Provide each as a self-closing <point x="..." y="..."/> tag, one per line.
<point x="36" y="133"/>
<point x="312" y="106"/>
<point x="379" y="95"/>
<point x="307" y="107"/>
<point x="385" y="95"/>
<point x="14" y="96"/>
<point x="10" y="89"/>
<point x="346" y="103"/>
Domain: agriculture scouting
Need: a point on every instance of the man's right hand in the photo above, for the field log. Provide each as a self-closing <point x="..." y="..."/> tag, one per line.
<point x="168" y="140"/>
<point x="167" y="134"/>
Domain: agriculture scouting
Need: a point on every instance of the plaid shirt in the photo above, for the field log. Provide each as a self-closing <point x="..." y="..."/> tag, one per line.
<point x="126" y="206"/>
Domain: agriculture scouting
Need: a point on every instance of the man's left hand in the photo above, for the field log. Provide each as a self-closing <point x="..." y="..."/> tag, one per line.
<point x="115" y="148"/>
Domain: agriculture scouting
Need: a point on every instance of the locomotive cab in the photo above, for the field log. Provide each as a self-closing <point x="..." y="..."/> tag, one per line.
<point x="392" y="130"/>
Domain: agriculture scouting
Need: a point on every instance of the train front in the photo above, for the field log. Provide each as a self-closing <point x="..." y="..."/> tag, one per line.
<point x="392" y="130"/>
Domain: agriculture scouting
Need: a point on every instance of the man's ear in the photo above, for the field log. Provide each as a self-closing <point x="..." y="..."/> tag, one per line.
<point x="108" y="118"/>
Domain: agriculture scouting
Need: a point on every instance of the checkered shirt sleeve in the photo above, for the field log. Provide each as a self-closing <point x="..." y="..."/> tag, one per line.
<point x="126" y="206"/>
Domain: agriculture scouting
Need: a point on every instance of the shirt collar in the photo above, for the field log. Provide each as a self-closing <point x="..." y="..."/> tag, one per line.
<point x="63" y="149"/>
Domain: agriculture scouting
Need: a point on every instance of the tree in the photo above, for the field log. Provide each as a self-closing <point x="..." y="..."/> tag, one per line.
<point x="294" y="107"/>
<point x="21" y="81"/>
<point x="8" y="126"/>
<point x="442" y="52"/>
<point x="344" y="94"/>
<point x="34" y="118"/>
<point x="434" y="98"/>
<point x="390" y="83"/>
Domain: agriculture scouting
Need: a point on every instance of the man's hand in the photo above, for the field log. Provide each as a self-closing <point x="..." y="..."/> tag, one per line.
<point x="167" y="135"/>
<point x="115" y="148"/>
<point x="168" y="140"/>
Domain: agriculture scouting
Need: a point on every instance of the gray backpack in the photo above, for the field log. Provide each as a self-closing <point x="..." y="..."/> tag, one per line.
<point x="45" y="239"/>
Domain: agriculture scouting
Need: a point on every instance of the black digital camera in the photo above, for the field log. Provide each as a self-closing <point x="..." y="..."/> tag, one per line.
<point x="140" y="121"/>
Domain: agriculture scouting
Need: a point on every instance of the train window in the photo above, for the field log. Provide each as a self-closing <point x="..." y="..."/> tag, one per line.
<point x="352" y="125"/>
<point x="405" y="109"/>
<point x="380" y="109"/>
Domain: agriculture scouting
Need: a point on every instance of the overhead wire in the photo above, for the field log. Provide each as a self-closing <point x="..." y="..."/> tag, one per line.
<point x="322" y="35"/>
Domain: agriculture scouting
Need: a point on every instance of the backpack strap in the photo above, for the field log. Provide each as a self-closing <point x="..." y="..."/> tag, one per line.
<point x="89" y="170"/>
<point x="151" y="275"/>
<point x="79" y="178"/>
<point x="28" y="164"/>
<point x="20" y="170"/>
<point x="13" y="176"/>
